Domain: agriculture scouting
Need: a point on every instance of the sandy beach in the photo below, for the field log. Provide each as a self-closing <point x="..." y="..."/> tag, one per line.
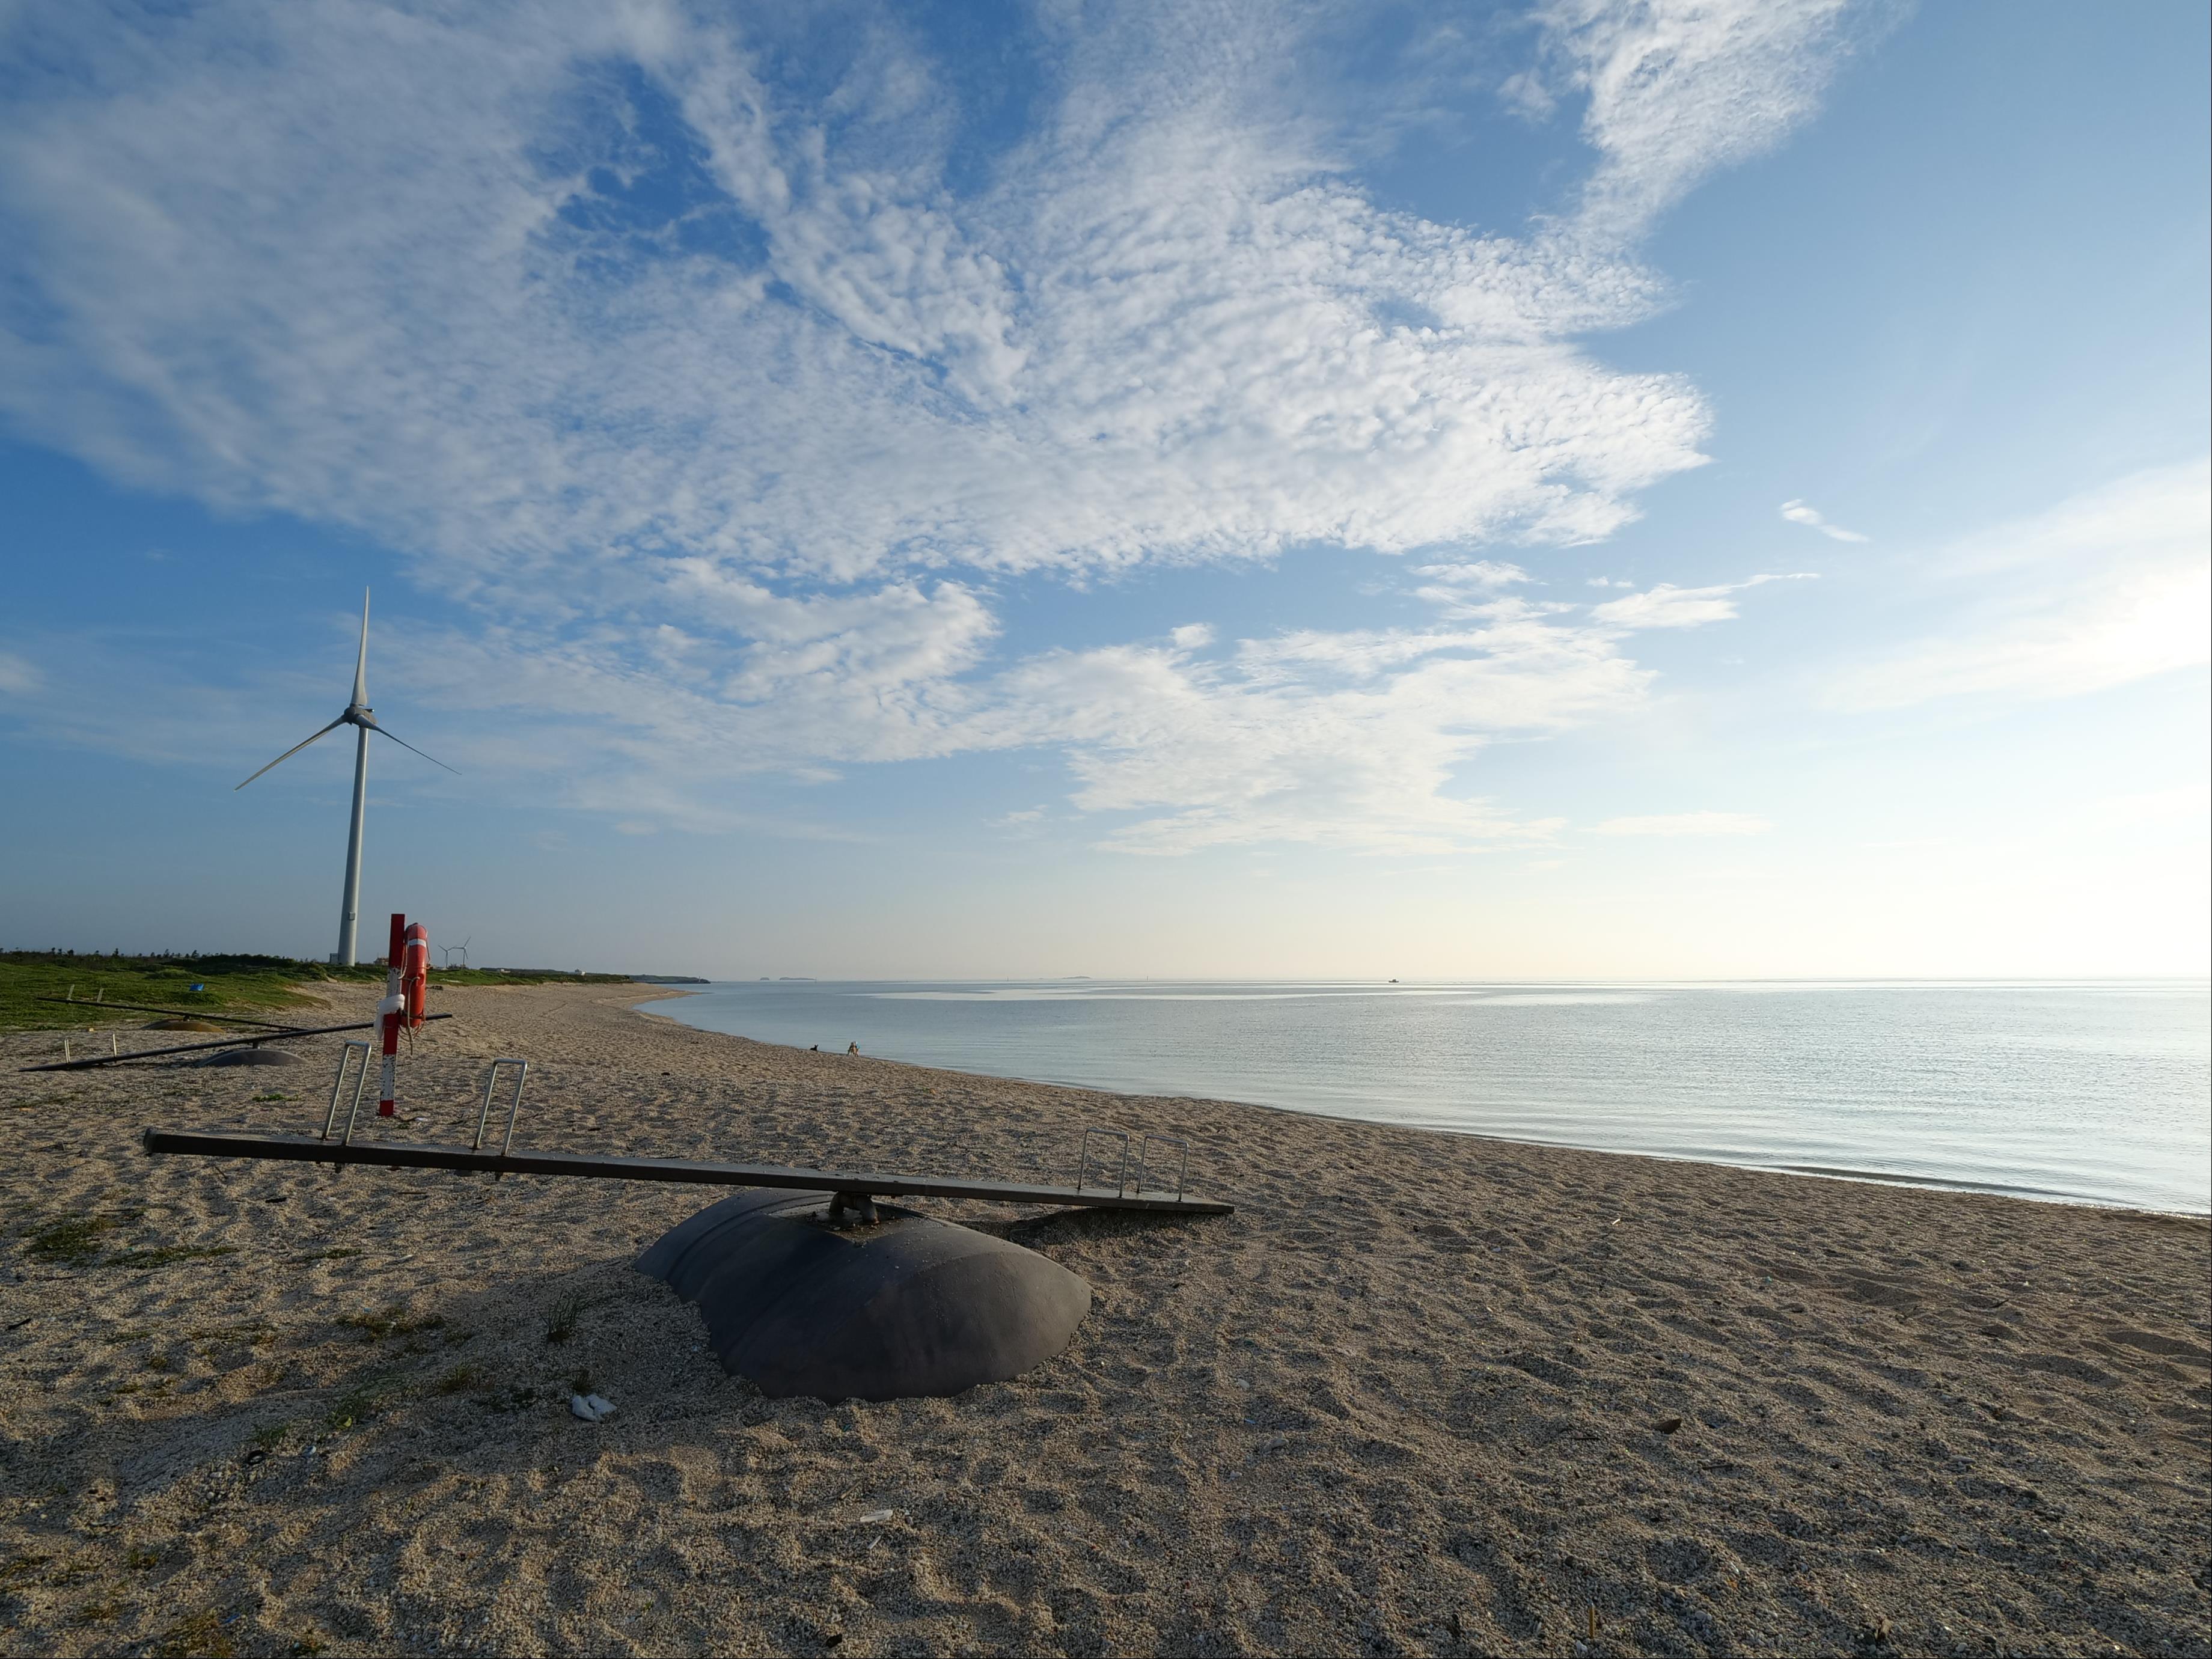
<point x="1423" y="1393"/>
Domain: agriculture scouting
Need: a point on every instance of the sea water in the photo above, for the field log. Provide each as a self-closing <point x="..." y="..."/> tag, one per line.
<point x="2098" y="1091"/>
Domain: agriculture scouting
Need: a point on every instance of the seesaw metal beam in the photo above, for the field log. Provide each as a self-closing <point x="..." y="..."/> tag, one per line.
<point x="845" y="1183"/>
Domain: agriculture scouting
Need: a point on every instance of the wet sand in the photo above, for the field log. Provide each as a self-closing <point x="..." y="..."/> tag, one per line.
<point x="1423" y="1393"/>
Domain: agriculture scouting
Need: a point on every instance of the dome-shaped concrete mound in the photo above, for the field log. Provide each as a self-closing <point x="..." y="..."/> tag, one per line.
<point x="908" y="1306"/>
<point x="250" y="1057"/>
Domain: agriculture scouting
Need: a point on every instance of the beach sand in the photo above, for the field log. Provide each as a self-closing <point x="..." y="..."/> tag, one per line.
<point x="1412" y="1397"/>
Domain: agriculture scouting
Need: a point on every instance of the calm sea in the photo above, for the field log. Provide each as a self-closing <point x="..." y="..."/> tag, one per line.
<point x="2095" y="1090"/>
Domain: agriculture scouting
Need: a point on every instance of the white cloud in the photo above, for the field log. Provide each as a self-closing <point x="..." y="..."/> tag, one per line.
<point x="18" y="675"/>
<point x="2109" y="586"/>
<point x="1677" y="89"/>
<point x="1686" y="824"/>
<point x="1159" y="334"/>
<point x="1669" y="606"/>
<point x="1798" y="512"/>
<point x="730" y="408"/>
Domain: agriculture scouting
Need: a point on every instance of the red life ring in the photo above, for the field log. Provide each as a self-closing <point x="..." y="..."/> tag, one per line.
<point x="415" y="974"/>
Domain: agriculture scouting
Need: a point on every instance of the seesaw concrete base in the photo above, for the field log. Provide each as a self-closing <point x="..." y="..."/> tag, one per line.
<point x="906" y="1307"/>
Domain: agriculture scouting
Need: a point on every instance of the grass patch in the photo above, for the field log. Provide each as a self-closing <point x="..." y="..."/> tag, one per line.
<point x="459" y="1380"/>
<point x="245" y="984"/>
<point x="198" y="1636"/>
<point x="142" y="1560"/>
<point x="166" y="1254"/>
<point x="358" y="1404"/>
<point x="561" y="1324"/>
<point x="251" y="1332"/>
<point x="72" y="1241"/>
<point x="98" y="1612"/>
<point x="375" y="1324"/>
<point x="22" y="1568"/>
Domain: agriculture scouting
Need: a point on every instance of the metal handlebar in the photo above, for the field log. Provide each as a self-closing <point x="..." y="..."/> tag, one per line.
<point x="513" y="1108"/>
<point x="337" y="1087"/>
<point x="1083" y="1163"/>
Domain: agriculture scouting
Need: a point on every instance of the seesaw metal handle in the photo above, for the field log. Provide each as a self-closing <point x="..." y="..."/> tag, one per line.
<point x="337" y="1088"/>
<point x="513" y="1106"/>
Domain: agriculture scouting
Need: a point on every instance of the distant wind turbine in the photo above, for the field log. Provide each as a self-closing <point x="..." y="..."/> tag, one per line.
<point x="357" y="713"/>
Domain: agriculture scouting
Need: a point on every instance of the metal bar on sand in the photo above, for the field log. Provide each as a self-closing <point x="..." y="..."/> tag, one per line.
<point x="400" y="1155"/>
<point x="255" y="1041"/>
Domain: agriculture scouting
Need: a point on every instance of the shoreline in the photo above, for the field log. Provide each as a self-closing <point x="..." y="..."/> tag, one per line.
<point x="1931" y="1183"/>
<point x="1423" y="1393"/>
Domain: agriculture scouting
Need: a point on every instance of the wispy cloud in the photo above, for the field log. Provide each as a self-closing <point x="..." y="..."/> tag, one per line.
<point x="1798" y="512"/>
<point x="1669" y="606"/>
<point x="726" y="407"/>
<point x="1686" y="824"/>
<point x="2109" y="586"/>
<point x="1677" y="89"/>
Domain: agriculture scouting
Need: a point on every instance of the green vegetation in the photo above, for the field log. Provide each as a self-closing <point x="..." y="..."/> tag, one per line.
<point x="393" y="1321"/>
<point x="201" y="1635"/>
<point x="76" y="1241"/>
<point x="562" y="1324"/>
<point x="72" y="1241"/>
<point x="162" y="1256"/>
<point x="358" y="1404"/>
<point x="247" y="984"/>
<point x="241" y="984"/>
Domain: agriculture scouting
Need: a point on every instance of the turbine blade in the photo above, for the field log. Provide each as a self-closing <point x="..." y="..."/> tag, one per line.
<point x="361" y="663"/>
<point x="411" y="748"/>
<point x="294" y="750"/>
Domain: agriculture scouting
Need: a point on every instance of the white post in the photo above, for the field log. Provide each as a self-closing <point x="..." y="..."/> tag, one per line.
<point x="350" y="918"/>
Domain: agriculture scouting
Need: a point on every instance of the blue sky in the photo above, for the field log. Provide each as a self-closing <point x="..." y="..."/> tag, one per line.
<point x="1578" y="491"/>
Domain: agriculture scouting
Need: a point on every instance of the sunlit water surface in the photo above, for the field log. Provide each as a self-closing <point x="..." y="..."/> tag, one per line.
<point x="2099" y="1091"/>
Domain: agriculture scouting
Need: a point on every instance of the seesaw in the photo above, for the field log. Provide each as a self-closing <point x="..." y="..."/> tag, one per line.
<point x="808" y="1284"/>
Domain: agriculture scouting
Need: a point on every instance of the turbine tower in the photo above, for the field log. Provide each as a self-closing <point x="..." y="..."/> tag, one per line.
<point x="360" y="716"/>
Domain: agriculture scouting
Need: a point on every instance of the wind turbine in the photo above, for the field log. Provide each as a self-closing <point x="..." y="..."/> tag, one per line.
<point x="359" y="715"/>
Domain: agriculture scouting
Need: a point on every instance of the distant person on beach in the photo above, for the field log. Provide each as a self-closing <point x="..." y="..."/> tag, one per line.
<point x="852" y="1047"/>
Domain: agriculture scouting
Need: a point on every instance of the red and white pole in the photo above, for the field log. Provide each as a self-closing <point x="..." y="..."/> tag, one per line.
<point x="394" y="1008"/>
